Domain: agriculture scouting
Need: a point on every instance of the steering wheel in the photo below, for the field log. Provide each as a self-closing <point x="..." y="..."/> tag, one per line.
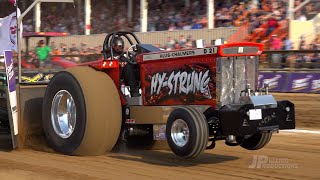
<point x="131" y="58"/>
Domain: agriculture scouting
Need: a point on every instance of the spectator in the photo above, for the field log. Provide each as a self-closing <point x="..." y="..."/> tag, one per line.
<point x="56" y="51"/>
<point x="63" y="49"/>
<point x="43" y="53"/>
<point x="302" y="58"/>
<point x="272" y="25"/>
<point x="52" y="45"/>
<point x="172" y="27"/>
<point x="276" y="45"/>
<point x="196" y="24"/>
<point x="182" y="41"/>
<point x="275" y="42"/>
<point x="301" y="17"/>
<point x="169" y="44"/>
<point x="74" y="49"/>
<point x="176" y="45"/>
<point x="287" y="43"/>
<point x="316" y="56"/>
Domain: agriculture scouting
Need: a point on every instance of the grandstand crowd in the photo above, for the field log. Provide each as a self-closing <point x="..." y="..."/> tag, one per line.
<point x="261" y="16"/>
<point x="164" y="15"/>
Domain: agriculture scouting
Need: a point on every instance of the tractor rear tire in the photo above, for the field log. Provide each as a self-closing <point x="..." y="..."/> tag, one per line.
<point x="97" y="112"/>
<point x="194" y="124"/>
<point x="256" y="141"/>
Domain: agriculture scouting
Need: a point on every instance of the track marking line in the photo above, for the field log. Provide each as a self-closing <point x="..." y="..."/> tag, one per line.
<point x="301" y="131"/>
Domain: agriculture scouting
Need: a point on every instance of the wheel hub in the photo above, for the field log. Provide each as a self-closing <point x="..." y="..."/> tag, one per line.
<point x="180" y="132"/>
<point x="63" y="114"/>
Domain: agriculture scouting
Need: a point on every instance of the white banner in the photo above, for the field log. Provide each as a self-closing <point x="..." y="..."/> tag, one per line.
<point x="8" y="33"/>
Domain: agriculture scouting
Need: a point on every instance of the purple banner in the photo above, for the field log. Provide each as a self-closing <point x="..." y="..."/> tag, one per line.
<point x="290" y="82"/>
<point x="275" y="80"/>
<point x="304" y="82"/>
<point x="315" y="84"/>
<point x="299" y="82"/>
<point x="10" y="71"/>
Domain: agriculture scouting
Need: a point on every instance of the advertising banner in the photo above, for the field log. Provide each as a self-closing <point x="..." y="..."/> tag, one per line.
<point x="290" y="82"/>
<point x="8" y="32"/>
<point x="12" y="94"/>
<point x="276" y="81"/>
<point x="315" y="84"/>
<point x="299" y="82"/>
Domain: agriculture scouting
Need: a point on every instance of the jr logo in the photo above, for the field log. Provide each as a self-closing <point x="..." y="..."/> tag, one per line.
<point x="261" y="161"/>
<point x="257" y="161"/>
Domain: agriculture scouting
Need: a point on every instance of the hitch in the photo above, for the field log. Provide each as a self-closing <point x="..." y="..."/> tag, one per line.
<point x="212" y="145"/>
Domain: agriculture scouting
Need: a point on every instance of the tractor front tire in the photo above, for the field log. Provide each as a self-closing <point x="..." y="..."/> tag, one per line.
<point x="187" y="132"/>
<point x="257" y="141"/>
<point x="81" y="112"/>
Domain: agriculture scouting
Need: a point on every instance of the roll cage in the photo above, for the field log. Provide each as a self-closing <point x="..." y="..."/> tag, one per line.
<point x="107" y="51"/>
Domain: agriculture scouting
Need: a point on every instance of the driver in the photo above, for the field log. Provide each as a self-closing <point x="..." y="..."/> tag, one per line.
<point x="128" y="71"/>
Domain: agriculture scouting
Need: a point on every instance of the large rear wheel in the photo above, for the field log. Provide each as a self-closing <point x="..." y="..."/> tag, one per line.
<point x="81" y="112"/>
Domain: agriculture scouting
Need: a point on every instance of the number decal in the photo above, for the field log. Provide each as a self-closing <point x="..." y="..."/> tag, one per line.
<point x="210" y="50"/>
<point x="240" y="50"/>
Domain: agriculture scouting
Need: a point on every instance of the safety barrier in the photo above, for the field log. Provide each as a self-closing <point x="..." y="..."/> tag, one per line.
<point x="290" y="60"/>
<point x="157" y="38"/>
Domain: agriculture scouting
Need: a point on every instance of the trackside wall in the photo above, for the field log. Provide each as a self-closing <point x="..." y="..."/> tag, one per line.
<point x="155" y="38"/>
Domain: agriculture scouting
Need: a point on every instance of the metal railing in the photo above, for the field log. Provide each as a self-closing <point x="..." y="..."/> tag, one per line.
<point x="290" y="60"/>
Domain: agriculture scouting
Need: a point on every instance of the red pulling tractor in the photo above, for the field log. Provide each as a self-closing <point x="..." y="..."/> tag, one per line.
<point x="188" y="97"/>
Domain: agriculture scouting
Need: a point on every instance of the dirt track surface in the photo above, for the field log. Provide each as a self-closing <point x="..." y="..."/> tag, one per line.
<point x="290" y="155"/>
<point x="299" y="152"/>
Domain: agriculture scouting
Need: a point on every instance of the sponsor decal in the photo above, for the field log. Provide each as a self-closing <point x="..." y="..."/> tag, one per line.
<point x="240" y="50"/>
<point x="187" y="85"/>
<point x="315" y="85"/>
<point x="260" y="77"/>
<point x="303" y="83"/>
<point x="276" y="81"/>
<point x="11" y="81"/>
<point x="267" y="119"/>
<point x="181" y="82"/>
<point x="177" y="54"/>
<point x="13" y="30"/>
<point x="130" y="121"/>
<point x="40" y="77"/>
<point x="245" y="123"/>
<point x="183" y="53"/>
<point x="273" y="82"/>
<point x="159" y="132"/>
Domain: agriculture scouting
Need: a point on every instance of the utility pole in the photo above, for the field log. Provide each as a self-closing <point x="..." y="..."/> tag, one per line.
<point x="144" y="15"/>
<point x="129" y="10"/>
<point x="87" y="17"/>
<point x="38" y="17"/>
<point x="210" y="5"/>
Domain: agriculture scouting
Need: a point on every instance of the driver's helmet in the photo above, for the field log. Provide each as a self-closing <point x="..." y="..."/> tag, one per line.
<point x="118" y="45"/>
